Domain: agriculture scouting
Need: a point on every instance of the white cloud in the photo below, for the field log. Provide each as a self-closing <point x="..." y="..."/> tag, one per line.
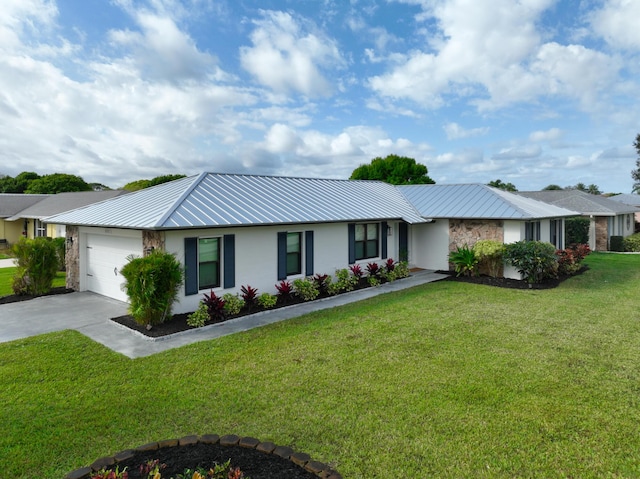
<point x="525" y="152"/>
<point x="491" y="52"/>
<point x="554" y="134"/>
<point x="617" y="23"/>
<point x="289" y="54"/>
<point x="455" y="131"/>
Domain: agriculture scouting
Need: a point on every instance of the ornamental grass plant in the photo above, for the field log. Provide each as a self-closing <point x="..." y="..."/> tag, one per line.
<point x="447" y="379"/>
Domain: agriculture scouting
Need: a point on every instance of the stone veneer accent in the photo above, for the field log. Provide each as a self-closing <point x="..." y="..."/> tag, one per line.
<point x="602" y="235"/>
<point x="469" y="232"/>
<point x="72" y="258"/>
<point x="301" y="459"/>
<point x="152" y="239"/>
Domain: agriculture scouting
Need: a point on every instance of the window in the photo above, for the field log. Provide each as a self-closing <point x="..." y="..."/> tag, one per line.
<point x="555" y="228"/>
<point x="40" y="228"/>
<point x="294" y="253"/>
<point x="366" y="240"/>
<point x="208" y="263"/>
<point x="532" y="231"/>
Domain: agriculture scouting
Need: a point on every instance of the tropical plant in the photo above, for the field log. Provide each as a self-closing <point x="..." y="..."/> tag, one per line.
<point x="489" y="254"/>
<point x="534" y="260"/>
<point x="344" y="282"/>
<point x="215" y="306"/>
<point x="356" y="271"/>
<point x="152" y="284"/>
<point x="306" y="289"/>
<point x="61" y="251"/>
<point x="249" y="295"/>
<point x="321" y="281"/>
<point x="464" y="261"/>
<point x="373" y="269"/>
<point x="285" y="291"/>
<point x="37" y="265"/>
<point x="402" y="270"/>
<point x="389" y="264"/>
<point x="570" y="259"/>
<point x="232" y="304"/>
<point x="632" y="243"/>
<point x="577" y="230"/>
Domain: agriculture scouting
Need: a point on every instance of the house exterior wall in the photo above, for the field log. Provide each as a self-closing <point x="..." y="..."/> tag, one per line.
<point x="256" y="253"/>
<point x="11" y="230"/>
<point x="429" y="245"/>
<point x="468" y="232"/>
<point x="514" y="231"/>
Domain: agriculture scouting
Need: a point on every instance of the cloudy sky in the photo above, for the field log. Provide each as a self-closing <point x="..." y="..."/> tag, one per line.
<point x="532" y="92"/>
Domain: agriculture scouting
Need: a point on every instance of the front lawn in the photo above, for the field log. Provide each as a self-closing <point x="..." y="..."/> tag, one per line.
<point x="442" y="380"/>
<point x="6" y="275"/>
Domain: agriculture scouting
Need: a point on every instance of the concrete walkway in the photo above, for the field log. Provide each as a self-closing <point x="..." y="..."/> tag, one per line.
<point x="7" y="263"/>
<point x="89" y="314"/>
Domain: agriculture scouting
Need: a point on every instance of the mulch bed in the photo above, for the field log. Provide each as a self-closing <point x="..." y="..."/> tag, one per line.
<point x="13" y="298"/>
<point x="508" y="282"/>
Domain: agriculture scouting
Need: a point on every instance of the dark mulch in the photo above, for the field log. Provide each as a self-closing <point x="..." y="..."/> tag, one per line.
<point x="253" y="463"/>
<point x="508" y="282"/>
<point x="26" y="297"/>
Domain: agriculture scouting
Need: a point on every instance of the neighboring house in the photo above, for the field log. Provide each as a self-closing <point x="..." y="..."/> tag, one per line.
<point x="607" y="217"/>
<point x="629" y="200"/>
<point x="464" y="214"/>
<point x="234" y="230"/>
<point x="10" y="205"/>
<point x="32" y="218"/>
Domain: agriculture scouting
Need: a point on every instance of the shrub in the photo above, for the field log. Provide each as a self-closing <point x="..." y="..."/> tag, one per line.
<point x="306" y="289"/>
<point x="570" y="259"/>
<point x="373" y="281"/>
<point x="267" y="301"/>
<point x="489" y="254"/>
<point x="373" y="269"/>
<point x="37" y="265"/>
<point x="215" y="306"/>
<point x="389" y="264"/>
<point x="616" y="243"/>
<point x="61" y="252"/>
<point x="344" y="282"/>
<point x="534" y="260"/>
<point x="577" y="230"/>
<point x="321" y="281"/>
<point x="464" y="261"/>
<point x="199" y="317"/>
<point x="632" y="243"/>
<point x="232" y="304"/>
<point x="152" y="285"/>
<point x="401" y="270"/>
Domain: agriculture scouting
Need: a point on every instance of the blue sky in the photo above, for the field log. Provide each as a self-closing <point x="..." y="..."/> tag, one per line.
<point x="532" y="92"/>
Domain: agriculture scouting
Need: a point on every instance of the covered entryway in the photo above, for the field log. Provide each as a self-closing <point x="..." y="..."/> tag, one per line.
<point x="106" y="255"/>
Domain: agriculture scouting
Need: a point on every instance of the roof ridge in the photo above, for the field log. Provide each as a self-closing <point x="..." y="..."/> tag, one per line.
<point x="169" y="211"/>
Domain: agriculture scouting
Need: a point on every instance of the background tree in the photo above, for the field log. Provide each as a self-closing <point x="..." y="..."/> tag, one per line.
<point x="635" y="174"/>
<point x="552" y="187"/>
<point x="503" y="186"/>
<point x="57" y="183"/>
<point x="393" y="169"/>
<point x="19" y="184"/>
<point x="158" y="180"/>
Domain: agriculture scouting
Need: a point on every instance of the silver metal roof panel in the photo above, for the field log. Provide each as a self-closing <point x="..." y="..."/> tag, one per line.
<point x="212" y="199"/>
<point x="584" y="203"/>
<point x="476" y="201"/>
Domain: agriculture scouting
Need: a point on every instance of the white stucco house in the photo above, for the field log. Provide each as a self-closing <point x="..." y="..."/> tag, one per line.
<point x="234" y="230"/>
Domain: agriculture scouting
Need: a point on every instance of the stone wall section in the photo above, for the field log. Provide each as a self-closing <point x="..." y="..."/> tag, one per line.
<point x="602" y="236"/>
<point x="469" y="232"/>
<point x="152" y="240"/>
<point x="72" y="258"/>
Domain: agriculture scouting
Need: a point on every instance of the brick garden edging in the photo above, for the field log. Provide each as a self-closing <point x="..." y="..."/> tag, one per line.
<point x="301" y="459"/>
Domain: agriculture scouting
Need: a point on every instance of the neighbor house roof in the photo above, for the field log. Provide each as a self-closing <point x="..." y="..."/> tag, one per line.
<point x="12" y="203"/>
<point x="476" y="201"/>
<point x="61" y="202"/>
<point x="627" y="199"/>
<point x="212" y="199"/>
<point x="576" y="200"/>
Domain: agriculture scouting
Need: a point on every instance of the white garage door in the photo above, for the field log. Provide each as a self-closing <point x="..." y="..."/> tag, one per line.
<point x="106" y="255"/>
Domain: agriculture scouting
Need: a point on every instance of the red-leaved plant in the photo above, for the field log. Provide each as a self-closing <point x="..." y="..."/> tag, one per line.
<point x="356" y="271"/>
<point x="285" y="291"/>
<point x="249" y="295"/>
<point x="215" y="306"/>
<point x="390" y="265"/>
<point x="373" y="269"/>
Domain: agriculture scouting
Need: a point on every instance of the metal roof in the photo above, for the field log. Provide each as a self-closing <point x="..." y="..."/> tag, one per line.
<point x="476" y="201"/>
<point x="212" y="199"/>
<point x="576" y="200"/>
<point x="12" y="203"/>
<point x="61" y="202"/>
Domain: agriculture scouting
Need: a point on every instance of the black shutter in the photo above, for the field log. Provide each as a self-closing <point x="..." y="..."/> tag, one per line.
<point x="383" y="240"/>
<point x="190" y="266"/>
<point x="351" y="233"/>
<point x="403" y="242"/>
<point x="282" y="255"/>
<point x="308" y="253"/>
<point x="229" y="251"/>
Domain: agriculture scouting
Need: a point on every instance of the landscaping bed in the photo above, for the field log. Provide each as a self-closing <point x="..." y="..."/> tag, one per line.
<point x="254" y="459"/>
<point x="15" y="298"/>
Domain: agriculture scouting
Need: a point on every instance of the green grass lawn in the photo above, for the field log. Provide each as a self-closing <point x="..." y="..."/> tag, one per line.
<point x="6" y="275"/>
<point x="442" y="380"/>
